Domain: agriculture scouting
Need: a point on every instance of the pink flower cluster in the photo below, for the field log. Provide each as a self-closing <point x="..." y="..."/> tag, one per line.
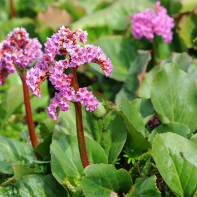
<point x="64" y="43"/>
<point x="17" y="50"/>
<point x="150" y="22"/>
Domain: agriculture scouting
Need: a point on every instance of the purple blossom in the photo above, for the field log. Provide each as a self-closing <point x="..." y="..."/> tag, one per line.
<point x="65" y="43"/>
<point x="17" y="50"/>
<point x="154" y="122"/>
<point x="150" y="22"/>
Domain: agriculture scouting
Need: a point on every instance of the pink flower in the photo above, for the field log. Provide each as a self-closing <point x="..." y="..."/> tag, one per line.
<point x="18" y="50"/>
<point x="150" y="22"/>
<point x="64" y="43"/>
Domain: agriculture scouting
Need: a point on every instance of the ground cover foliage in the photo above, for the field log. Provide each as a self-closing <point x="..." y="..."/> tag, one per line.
<point x="140" y="141"/>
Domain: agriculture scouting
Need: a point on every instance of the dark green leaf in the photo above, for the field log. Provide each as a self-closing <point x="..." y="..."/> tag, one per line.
<point x="65" y="158"/>
<point x="144" y="187"/>
<point x="176" y="160"/>
<point x="132" y="83"/>
<point x="174" y="94"/>
<point x="114" y="135"/>
<point x="105" y="180"/>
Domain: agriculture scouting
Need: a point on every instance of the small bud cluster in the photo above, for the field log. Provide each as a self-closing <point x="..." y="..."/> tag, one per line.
<point x="154" y="122"/>
<point x="17" y="50"/>
<point x="64" y="43"/>
<point x="149" y="22"/>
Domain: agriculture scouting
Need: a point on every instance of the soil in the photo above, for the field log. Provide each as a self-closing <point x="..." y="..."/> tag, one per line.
<point x="162" y="186"/>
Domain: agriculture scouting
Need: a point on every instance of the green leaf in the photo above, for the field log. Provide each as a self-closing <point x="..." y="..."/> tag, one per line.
<point x="43" y="148"/>
<point x="145" y="107"/>
<point x="132" y="83"/>
<point x="174" y="94"/>
<point x="194" y="138"/>
<point x="133" y="115"/>
<point x="144" y="187"/>
<point x="67" y="124"/>
<point x="144" y="89"/>
<point x="121" y="52"/>
<point x="65" y="158"/>
<point x="34" y="186"/>
<point x="192" y="71"/>
<point x="103" y="180"/>
<point x="47" y="126"/>
<point x="136" y="142"/>
<point x="20" y="171"/>
<point x="161" y="50"/>
<point x="188" y="28"/>
<point x="182" y="60"/>
<point x="12" y="152"/>
<point x="11" y="102"/>
<point x="114" y="135"/>
<point x="173" y="127"/>
<point x="176" y="160"/>
<point x="188" y="5"/>
<point x="113" y="16"/>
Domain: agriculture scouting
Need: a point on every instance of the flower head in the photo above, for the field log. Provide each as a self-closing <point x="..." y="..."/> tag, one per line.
<point x="18" y="50"/>
<point x="153" y="21"/>
<point x="65" y="43"/>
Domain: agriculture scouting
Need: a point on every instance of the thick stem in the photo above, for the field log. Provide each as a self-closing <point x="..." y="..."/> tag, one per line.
<point x="79" y="123"/>
<point x="32" y="133"/>
<point x="12" y="9"/>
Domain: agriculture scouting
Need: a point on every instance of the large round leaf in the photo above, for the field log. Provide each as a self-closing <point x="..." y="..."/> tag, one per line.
<point x="65" y="158"/>
<point x="34" y="186"/>
<point x="13" y="152"/>
<point x="103" y="180"/>
<point x="121" y="52"/>
<point x="174" y="95"/>
<point x="176" y="160"/>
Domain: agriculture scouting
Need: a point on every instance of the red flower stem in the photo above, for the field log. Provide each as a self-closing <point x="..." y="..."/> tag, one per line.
<point x="12" y="9"/>
<point x="79" y="123"/>
<point x="32" y="133"/>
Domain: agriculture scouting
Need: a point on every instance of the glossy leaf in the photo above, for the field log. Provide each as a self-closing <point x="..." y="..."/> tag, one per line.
<point x="12" y="152"/>
<point x="136" y="142"/>
<point x="144" y="187"/>
<point x="188" y="28"/>
<point x="182" y="60"/>
<point x="174" y="94"/>
<point x="176" y="160"/>
<point x="34" y="185"/>
<point x="65" y="158"/>
<point x="133" y="115"/>
<point x="173" y="127"/>
<point x="114" y="135"/>
<point x="145" y="107"/>
<point x="67" y="124"/>
<point x="11" y="102"/>
<point x="132" y="83"/>
<point x="144" y="89"/>
<point x="121" y="52"/>
<point x="105" y="180"/>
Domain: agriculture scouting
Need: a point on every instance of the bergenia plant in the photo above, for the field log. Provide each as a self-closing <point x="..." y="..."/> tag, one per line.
<point x="153" y="21"/>
<point x="65" y="43"/>
<point x="17" y="52"/>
